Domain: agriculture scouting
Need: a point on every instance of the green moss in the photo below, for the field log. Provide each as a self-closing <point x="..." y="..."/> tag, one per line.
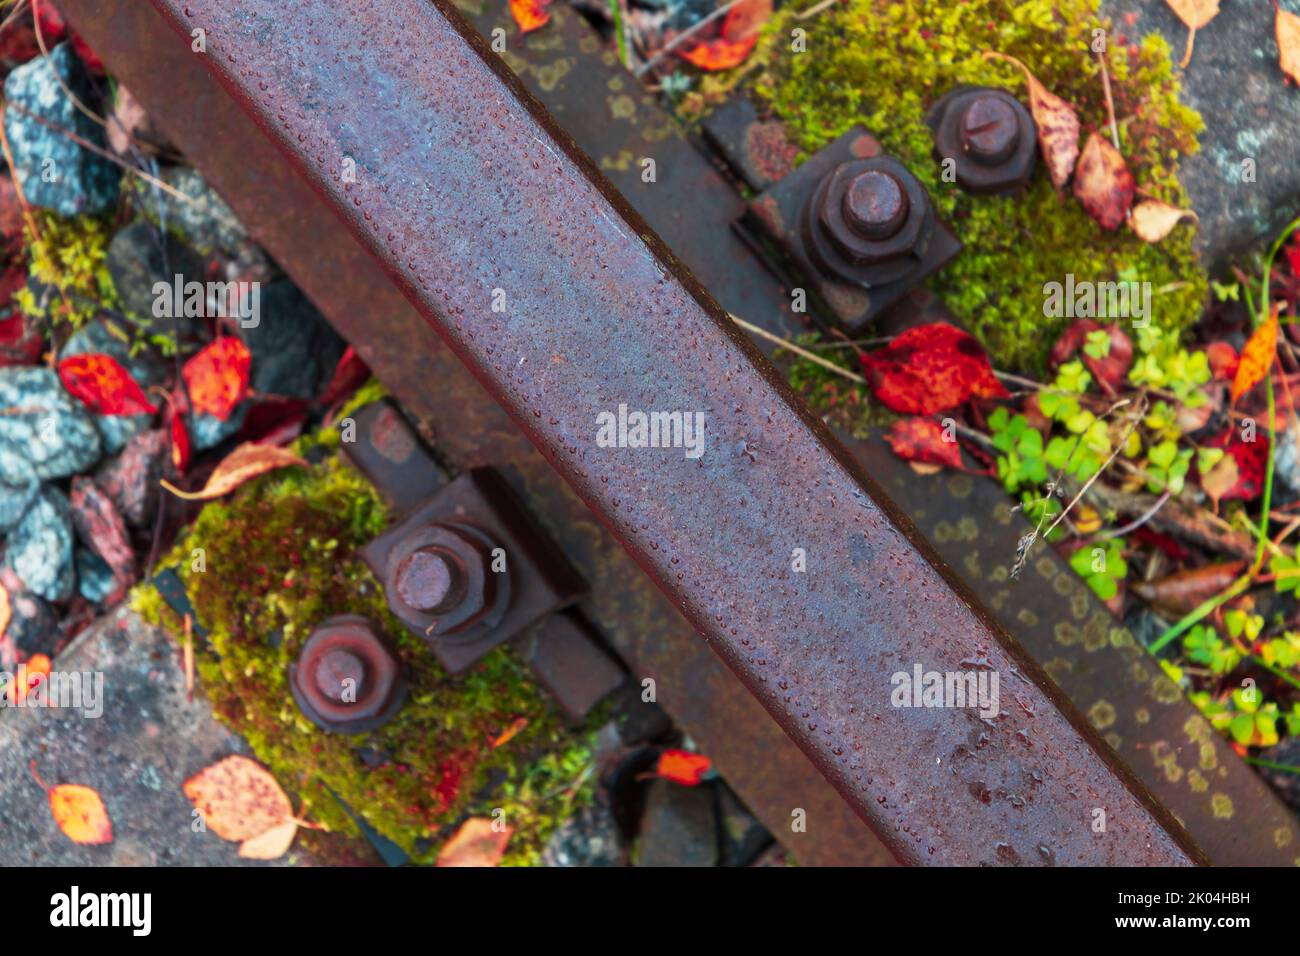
<point x="70" y="256"/>
<point x="883" y="64"/>
<point x="840" y="402"/>
<point x="281" y="554"/>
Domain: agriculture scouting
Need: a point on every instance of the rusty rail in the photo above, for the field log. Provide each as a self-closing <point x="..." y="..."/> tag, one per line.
<point x="469" y="196"/>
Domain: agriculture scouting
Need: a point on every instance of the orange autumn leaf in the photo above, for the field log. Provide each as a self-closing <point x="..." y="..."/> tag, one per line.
<point x="736" y="39"/>
<point x="217" y="377"/>
<point x="478" y="842"/>
<point x="1058" y="125"/>
<point x="682" y="766"/>
<point x="103" y="385"/>
<point x="530" y="14"/>
<point x="1194" y="14"/>
<point x="1287" y="26"/>
<point x="243" y="464"/>
<point x="517" y="725"/>
<point x="272" y="844"/>
<point x="238" y="798"/>
<point x="78" y="811"/>
<point x="6" y="611"/>
<point x="1257" y="357"/>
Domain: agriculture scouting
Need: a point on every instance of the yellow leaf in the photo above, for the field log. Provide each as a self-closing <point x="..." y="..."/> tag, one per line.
<point x="1288" y="43"/>
<point x="1058" y="125"/>
<point x="272" y="844"/>
<point x="1195" y="14"/>
<point x="80" y="814"/>
<point x="1152" y="220"/>
<point x="476" y="843"/>
<point x="244" y="463"/>
<point x="1257" y="357"/>
<point x="238" y="798"/>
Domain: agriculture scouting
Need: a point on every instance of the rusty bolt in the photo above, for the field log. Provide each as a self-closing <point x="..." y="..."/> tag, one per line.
<point x="440" y="581"/>
<point x="347" y="678"/>
<point x="875" y="204"/>
<point x="990" y="130"/>
<point x="868" y="222"/>
<point x="988" y="135"/>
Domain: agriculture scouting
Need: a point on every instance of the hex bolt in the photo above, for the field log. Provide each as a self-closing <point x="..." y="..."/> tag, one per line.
<point x="347" y="679"/>
<point x="875" y="204"/>
<point x="990" y="131"/>
<point x="431" y="580"/>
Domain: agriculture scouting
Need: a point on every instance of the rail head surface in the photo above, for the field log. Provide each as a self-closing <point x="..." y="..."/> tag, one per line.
<point x="789" y="562"/>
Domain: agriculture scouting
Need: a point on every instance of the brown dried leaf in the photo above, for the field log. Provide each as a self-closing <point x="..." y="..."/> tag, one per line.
<point x="1058" y="125"/>
<point x="246" y="462"/>
<point x="1221" y="479"/>
<point x="476" y="843"/>
<point x="1196" y="14"/>
<point x="1152" y="220"/>
<point x="1287" y="26"/>
<point x="1183" y="591"/>
<point x="239" y="799"/>
<point x="272" y="844"/>
<point x="1103" y="183"/>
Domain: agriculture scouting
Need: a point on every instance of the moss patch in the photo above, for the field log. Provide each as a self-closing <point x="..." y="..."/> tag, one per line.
<point x="70" y="256"/>
<point x="883" y="63"/>
<point x="282" y="554"/>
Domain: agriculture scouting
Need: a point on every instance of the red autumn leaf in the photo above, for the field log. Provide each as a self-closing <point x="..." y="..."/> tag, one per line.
<point x="103" y="385"/>
<point x="682" y="766"/>
<point x="931" y="369"/>
<point x="217" y="377"/>
<point x="735" y="40"/>
<point x="1223" y="361"/>
<point x="922" y="439"/>
<point x="1251" y="458"/>
<point x="1257" y="357"/>
<point x="349" y="375"/>
<point x="1103" y="184"/>
<point x="180" y="442"/>
<point x="530" y="14"/>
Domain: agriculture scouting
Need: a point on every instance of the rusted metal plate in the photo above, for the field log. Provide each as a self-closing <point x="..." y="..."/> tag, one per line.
<point x="1142" y="714"/>
<point x="468" y="429"/>
<point x="465" y="186"/>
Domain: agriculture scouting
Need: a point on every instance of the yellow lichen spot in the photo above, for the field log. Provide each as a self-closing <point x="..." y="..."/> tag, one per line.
<point x="1209" y="756"/>
<point x="1197" y="729"/>
<point x="1283" y="837"/>
<point x="1164" y="691"/>
<point x="622" y="107"/>
<point x="1143" y="716"/>
<point x="1102" y="714"/>
<point x="1027" y="617"/>
<point x="1095" y="633"/>
<point x="1221" y="804"/>
<point x="1000" y="573"/>
<point x="972" y="565"/>
<point x="1115" y="740"/>
<point x="1002" y="513"/>
<point x="943" y="532"/>
<point x="1163" y="756"/>
<point x="968" y="529"/>
<point x="1058" y="668"/>
<point x="615" y="84"/>
<point x="960" y="486"/>
<point x="1139" y="673"/>
<point x="1196" y="780"/>
<point x="1065" y="585"/>
<point x="1066" y="633"/>
<point x="1046" y="568"/>
<point x="1079" y="605"/>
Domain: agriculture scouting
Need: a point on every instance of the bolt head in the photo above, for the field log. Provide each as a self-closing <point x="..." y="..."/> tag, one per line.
<point x="333" y="671"/>
<point x="430" y="580"/>
<point x="875" y="204"/>
<point x="990" y="130"/>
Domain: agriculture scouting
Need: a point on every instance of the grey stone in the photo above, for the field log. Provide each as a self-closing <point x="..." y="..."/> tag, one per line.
<point x="81" y="181"/>
<point x="208" y="431"/>
<point x="39" y="549"/>
<point x="131" y="479"/>
<point x="151" y="737"/>
<point x="205" y="222"/>
<point x="95" y="581"/>
<point x="294" y="349"/>
<point x="33" y="626"/>
<point x="136" y="261"/>
<point x="679" y="826"/>
<point x="44" y="432"/>
<point x="14" y="502"/>
<point x="588" y="838"/>
<point x="1250" y="112"/>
